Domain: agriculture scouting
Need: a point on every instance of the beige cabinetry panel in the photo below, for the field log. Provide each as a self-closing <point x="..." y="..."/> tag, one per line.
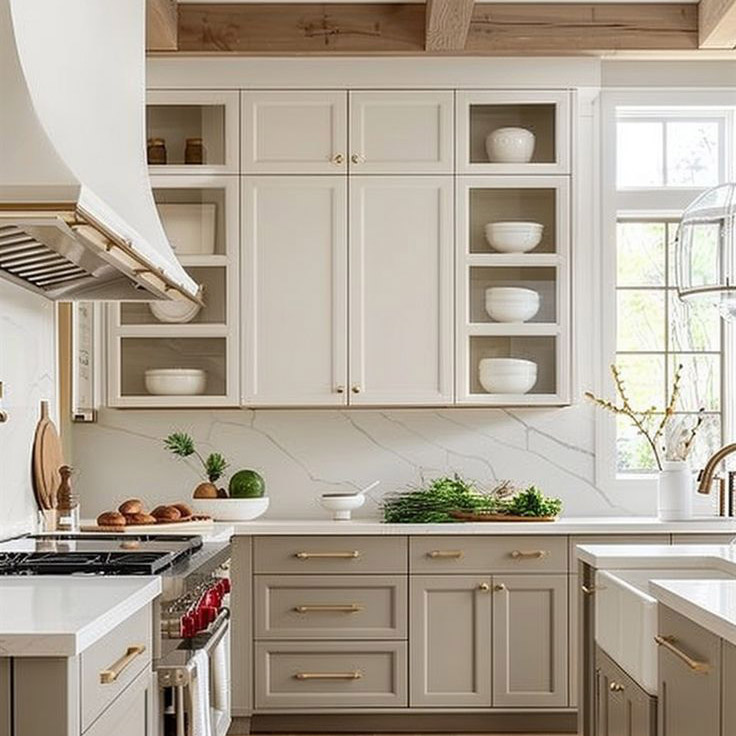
<point x="482" y="554"/>
<point x="294" y="290"/>
<point x="332" y="555"/>
<point x="689" y="699"/>
<point x="530" y="640"/>
<point x="294" y="132"/>
<point x="450" y="640"/>
<point x="330" y="607"/>
<point x="702" y="538"/>
<point x="330" y="674"/>
<point x="401" y="132"/>
<point x="401" y="273"/>
<point x="241" y="642"/>
<point x="5" y="697"/>
<point x="131" y="714"/>
<point x="728" y="702"/>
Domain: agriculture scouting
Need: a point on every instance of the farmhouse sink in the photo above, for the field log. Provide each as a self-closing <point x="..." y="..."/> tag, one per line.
<point x="626" y="617"/>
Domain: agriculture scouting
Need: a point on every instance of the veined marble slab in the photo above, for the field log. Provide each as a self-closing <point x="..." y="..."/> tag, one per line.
<point x="62" y="616"/>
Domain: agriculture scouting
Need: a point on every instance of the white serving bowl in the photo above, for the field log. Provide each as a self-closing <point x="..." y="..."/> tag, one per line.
<point x="507" y="375"/>
<point x="510" y="146"/>
<point x="514" y="237"/>
<point x="231" y="509"/>
<point x="177" y="312"/>
<point x="342" y="506"/>
<point x="511" y="304"/>
<point x="175" y="381"/>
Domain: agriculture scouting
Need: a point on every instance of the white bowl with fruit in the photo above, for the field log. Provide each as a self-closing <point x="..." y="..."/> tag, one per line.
<point x="244" y="500"/>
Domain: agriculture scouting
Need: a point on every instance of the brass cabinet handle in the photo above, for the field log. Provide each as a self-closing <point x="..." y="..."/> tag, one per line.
<point x="356" y="675"/>
<point x="484" y="587"/>
<point x="591" y="589"/>
<point x="337" y="159"/>
<point x="616" y="687"/>
<point x="357" y="158"/>
<point x="348" y="608"/>
<point x="117" y="669"/>
<point x="355" y="388"/>
<point x="499" y="587"/>
<point x="535" y="554"/>
<point x="449" y="554"/>
<point x="668" y="642"/>
<point x="339" y="389"/>
<point x="352" y="555"/>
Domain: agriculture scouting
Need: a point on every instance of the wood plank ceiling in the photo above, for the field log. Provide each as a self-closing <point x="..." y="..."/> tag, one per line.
<point x="441" y="27"/>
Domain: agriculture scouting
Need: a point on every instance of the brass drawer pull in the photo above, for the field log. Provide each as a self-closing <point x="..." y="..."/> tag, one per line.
<point x="592" y="589"/>
<point x="446" y="554"/>
<point x="535" y="554"/>
<point x="616" y="687"/>
<point x="352" y="555"/>
<point x="329" y="675"/>
<point x="349" y="608"/>
<point x="484" y="587"/>
<point x="117" y="669"/>
<point x="668" y="642"/>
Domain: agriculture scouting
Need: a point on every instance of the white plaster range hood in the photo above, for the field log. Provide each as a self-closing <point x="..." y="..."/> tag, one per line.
<point x="77" y="216"/>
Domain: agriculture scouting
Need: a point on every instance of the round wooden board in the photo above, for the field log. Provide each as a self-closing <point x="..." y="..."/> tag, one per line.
<point x="47" y="459"/>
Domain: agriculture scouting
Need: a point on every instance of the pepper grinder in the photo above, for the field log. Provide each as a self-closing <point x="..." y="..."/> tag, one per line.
<point x="67" y="503"/>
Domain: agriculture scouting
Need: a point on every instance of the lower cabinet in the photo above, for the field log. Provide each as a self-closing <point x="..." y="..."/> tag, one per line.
<point x="728" y="709"/>
<point x="130" y="714"/>
<point x="622" y="707"/>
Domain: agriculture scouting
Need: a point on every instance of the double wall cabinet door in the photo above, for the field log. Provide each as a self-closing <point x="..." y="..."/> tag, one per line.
<point x="330" y="324"/>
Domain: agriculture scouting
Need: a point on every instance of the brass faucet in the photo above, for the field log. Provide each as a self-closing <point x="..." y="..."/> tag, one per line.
<point x="708" y="472"/>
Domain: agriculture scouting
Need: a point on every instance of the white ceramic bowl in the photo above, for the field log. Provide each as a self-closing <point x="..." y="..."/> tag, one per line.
<point x="514" y="237"/>
<point x="177" y="312"/>
<point x="511" y="304"/>
<point x="342" y="506"/>
<point x="175" y="381"/>
<point x="510" y="146"/>
<point x="507" y="375"/>
<point x="231" y="509"/>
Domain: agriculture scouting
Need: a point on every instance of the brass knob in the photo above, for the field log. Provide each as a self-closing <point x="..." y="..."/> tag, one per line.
<point x="357" y="158"/>
<point x="339" y="389"/>
<point x="616" y="687"/>
<point x="355" y="388"/>
<point x="484" y="587"/>
<point x="337" y="159"/>
<point x="499" y="587"/>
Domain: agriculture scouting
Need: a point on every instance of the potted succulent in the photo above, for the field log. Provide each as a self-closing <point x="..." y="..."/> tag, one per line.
<point x="245" y="498"/>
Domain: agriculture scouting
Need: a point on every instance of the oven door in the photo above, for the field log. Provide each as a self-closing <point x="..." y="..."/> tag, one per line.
<point x="194" y="684"/>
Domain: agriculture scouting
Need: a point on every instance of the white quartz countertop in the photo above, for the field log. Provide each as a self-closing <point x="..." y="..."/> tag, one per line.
<point x="62" y="616"/>
<point x="572" y="525"/>
<point x="658" y="556"/>
<point x="709" y="603"/>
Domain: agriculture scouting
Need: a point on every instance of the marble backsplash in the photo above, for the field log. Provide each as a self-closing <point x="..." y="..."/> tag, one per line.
<point x="302" y="453"/>
<point x="28" y="373"/>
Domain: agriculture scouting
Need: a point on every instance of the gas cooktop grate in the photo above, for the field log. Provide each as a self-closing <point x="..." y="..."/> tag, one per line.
<point x="70" y="563"/>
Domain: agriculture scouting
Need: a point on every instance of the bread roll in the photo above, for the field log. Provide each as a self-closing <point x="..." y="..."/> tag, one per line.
<point x="166" y="513"/>
<point x="131" y="506"/>
<point x="139" y="519"/>
<point x="184" y="510"/>
<point x="111" y="518"/>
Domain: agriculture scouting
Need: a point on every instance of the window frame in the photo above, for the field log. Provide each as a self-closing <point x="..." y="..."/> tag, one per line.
<point x="655" y="203"/>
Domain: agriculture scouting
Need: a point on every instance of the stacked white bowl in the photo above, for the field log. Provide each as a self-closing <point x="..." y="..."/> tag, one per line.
<point x="175" y="381"/>
<point x="507" y="375"/>
<point x="510" y="146"/>
<point x="514" y="237"/>
<point x="511" y="303"/>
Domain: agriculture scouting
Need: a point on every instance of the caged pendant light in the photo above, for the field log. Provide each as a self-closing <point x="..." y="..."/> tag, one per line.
<point x="705" y="251"/>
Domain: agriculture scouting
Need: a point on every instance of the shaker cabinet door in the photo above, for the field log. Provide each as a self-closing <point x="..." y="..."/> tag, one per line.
<point x="401" y="132"/>
<point x="530" y="641"/>
<point x="294" y="302"/>
<point x="401" y="311"/>
<point x="450" y="666"/>
<point x="131" y="714"/>
<point x="294" y="132"/>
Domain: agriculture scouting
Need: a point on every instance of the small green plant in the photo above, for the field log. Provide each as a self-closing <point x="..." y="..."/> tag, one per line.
<point x="182" y="445"/>
<point x="531" y="502"/>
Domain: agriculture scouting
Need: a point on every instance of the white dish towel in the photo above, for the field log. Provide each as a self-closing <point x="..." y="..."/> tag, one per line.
<point x="200" y="718"/>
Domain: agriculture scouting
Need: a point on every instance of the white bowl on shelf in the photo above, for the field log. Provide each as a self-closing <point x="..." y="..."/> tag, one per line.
<point x="174" y="312"/>
<point x="511" y="303"/>
<point x="231" y="509"/>
<point x="507" y="375"/>
<point x="175" y="381"/>
<point x="510" y="146"/>
<point x="342" y="505"/>
<point x="514" y="237"/>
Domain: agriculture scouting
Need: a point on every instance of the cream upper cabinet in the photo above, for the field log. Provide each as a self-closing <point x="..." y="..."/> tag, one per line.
<point x="401" y="311"/>
<point x="294" y="290"/>
<point x="294" y="132"/>
<point x="401" y="132"/>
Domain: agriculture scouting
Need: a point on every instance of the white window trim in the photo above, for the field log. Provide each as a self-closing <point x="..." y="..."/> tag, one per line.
<point x="612" y="203"/>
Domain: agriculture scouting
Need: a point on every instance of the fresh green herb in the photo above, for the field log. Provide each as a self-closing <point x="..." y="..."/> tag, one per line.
<point x="182" y="444"/>
<point x="531" y="502"/>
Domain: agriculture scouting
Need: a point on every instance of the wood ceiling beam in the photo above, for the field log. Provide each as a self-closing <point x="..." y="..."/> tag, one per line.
<point x="386" y="29"/>
<point x="447" y="25"/>
<point x="717" y="22"/>
<point x="162" y="25"/>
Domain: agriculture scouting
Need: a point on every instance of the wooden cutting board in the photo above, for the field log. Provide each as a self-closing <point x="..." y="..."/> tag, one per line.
<point x="47" y="459"/>
<point x="168" y="528"/>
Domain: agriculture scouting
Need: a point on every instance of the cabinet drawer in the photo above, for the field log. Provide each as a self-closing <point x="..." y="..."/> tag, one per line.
<point x="113" y="662"/>
<point x="330" y="674"/>
<point x="488" y="554"/>
<point x="330" y="607"/>
<point x="321" y="555"/>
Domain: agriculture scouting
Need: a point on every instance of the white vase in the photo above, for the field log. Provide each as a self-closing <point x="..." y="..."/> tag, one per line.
<point x="510" y="146"/>
<point x="675" y="491"/>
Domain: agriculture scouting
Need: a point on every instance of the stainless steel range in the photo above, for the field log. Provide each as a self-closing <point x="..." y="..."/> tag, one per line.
<point x="192" y="652"/>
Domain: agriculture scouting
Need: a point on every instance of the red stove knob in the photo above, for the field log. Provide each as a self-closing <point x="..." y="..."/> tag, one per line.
<point x="188" y="626"/>
<point x="210" y="614"/>
<point x="226" y="586"/>
<point x="212" y="598"/>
